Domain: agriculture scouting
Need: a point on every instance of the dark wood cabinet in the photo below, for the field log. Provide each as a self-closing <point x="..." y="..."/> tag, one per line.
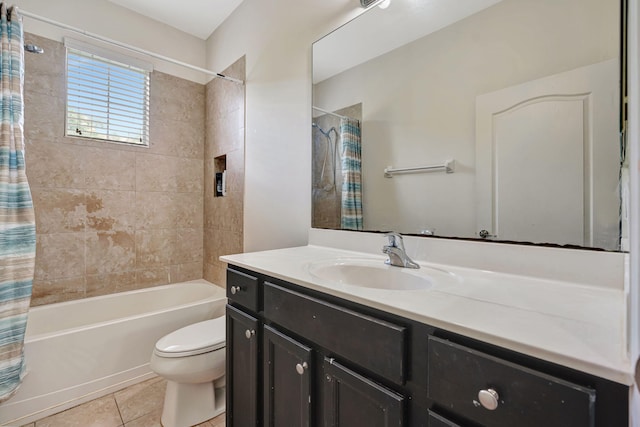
<point x="470" y="382"/>
<point x="243" y="338"/>
<point x="288" y="373"/>
<point x="351" y="399"/>
<point x="298" y="357"/>
<point x="436" y="420"/>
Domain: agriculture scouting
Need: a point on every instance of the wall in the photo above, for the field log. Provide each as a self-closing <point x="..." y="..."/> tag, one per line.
<point x="276" y="37"/>
<point x="111" y="217"/>
<point x="224" y="149"/>
<point x="117" y="23"/>
<point x="423" y="111"/>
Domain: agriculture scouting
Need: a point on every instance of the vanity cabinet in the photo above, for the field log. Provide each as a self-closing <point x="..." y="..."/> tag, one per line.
<point x="288" y="372"/>
<point x="243" y="338"/>
<point x="299" y="357"/>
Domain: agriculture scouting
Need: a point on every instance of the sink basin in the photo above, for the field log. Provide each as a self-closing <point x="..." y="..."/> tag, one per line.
<point x="375" y="274"/>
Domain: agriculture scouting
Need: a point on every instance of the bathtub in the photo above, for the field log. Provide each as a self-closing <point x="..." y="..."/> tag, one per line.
<point x="79" y="350"/>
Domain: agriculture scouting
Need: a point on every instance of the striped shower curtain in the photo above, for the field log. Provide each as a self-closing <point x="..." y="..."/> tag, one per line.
<point x="17" y="221"/>
<point x="351" y="217"/>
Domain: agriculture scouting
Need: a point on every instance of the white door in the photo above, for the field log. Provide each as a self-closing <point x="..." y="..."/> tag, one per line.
<point x="547" y="159"/>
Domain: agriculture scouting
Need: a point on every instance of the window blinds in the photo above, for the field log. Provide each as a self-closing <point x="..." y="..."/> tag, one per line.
<point x="106" y="99"/>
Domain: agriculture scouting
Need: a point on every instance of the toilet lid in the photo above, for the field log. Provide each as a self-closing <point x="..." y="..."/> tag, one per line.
<point x="191" y="340"/>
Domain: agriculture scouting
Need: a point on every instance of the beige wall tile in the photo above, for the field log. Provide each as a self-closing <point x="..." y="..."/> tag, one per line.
<point x="45" y="73"/>
<point x="177" y="138"/>
<point x="113" y="217"/>
<point x="226" y="132"/>
<point x="188" y="210"/>
<point x="224" y="135"/>
<point x="44" y="117"/>
<point x="188" y="246"/>
<point x="146" y="278"/>
<point x="54" y="165"/>
<point x="186" y="272"/>
<point x="167" y="173"/>
<point x="109" y="252"/>
<point x="154" y="248"/>
<point x="216" y="275"/>
<point x="189" y="175"/>
<point x="156" y="172"/>
<point x="57" y="290"/>
<point x="110" y="210"/>
<point x="110" y="169"/>
<point x="155" y="210"/>
<point x="173" y="98"/>
<point x="59" y="256"/>
<point x="105" y="284"/>
<point x="59" y="210"/>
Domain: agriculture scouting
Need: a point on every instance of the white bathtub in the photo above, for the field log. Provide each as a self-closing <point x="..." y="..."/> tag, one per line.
<point x="79" y="350"/>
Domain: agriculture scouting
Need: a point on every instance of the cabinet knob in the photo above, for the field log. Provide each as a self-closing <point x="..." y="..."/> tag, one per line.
<point x="249" y="333"/>
<point x="235" y="289"/>
<point x="489" y="399"/>
<point x="300" y="368"/>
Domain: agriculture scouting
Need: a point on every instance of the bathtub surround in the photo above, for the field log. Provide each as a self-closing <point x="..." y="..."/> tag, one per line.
<point x="113" y="217"/>
<point x="79" y="356"/>
<point x="224" y="150"/>
<point x="17" y="220"/>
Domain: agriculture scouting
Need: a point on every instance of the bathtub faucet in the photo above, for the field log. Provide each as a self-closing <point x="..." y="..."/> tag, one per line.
<point x="397" y="255"/>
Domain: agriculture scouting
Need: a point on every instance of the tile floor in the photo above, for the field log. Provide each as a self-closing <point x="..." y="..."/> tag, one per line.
<point x="137" y="406"/>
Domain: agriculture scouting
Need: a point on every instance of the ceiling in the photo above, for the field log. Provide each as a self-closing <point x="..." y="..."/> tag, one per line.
<point x="196" y="17"/>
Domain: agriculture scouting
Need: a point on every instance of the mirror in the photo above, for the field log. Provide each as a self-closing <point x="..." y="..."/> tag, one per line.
<point x="487" y="119"/>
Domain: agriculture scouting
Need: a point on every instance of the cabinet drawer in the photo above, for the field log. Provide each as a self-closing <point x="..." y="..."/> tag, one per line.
<point x="371" y="343"/>
<point x="243" y="289"/>
<point x="436" y="420"/>
<point x="524" y="397"/>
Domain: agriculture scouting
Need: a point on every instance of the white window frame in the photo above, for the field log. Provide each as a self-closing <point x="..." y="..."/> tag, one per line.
<point x="113" y="132"/>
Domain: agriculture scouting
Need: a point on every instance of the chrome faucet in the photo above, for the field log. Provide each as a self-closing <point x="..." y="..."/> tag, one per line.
<point x="397" y="255"/>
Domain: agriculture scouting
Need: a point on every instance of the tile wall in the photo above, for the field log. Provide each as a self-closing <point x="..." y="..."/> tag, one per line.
<point x="112" y="217"/>
<point x="224" y="141"/>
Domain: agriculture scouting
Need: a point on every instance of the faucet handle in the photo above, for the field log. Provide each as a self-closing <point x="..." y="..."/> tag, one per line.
<point x="395" y="240"/>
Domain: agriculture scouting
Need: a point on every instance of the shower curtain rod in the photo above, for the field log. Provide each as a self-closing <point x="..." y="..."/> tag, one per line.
<point x="329" y="112"/>
<point x="127" y="46"/>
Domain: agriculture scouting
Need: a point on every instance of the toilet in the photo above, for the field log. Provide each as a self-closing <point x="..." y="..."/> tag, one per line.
<point x="192" y="360"/>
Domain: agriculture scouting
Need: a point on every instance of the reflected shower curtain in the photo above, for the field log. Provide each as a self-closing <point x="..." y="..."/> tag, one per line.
<point x="17" y="221"/>
<point x="351" y="218"/>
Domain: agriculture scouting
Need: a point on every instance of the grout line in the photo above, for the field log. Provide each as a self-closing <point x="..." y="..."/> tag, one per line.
<point x="118" y="407"/>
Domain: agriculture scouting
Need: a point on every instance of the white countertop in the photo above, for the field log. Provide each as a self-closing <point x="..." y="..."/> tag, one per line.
<point x="574" y="325"/>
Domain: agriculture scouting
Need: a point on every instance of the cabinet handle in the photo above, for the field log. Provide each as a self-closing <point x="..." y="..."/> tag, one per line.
<point x="489" y="399"/>
<point x="235" y="289"/>
<point x="300" y="368"/>
<point x="249" y="333"/>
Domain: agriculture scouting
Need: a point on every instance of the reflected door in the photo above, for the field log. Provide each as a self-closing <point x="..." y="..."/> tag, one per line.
<point x="546" y="159"/>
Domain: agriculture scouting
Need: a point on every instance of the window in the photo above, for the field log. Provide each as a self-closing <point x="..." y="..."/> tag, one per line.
<point x="107" y="99"/>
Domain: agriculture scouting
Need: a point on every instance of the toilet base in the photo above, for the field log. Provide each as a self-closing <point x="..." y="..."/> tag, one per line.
<point x="186" y="405"/>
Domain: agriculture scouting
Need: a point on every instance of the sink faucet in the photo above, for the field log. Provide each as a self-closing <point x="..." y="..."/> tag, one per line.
<point x="397" y="255"/>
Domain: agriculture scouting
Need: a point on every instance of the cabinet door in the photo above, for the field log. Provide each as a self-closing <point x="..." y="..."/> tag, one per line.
<point x="287" y="381"/>
<point x="353" y="400"/>
<point x="242" y="369"/>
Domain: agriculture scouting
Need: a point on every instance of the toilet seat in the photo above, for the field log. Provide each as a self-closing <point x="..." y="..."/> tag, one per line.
<point x="199" y="338"/>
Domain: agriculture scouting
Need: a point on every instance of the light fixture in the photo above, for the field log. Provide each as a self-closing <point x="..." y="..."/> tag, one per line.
<point x="369" y="3"/>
